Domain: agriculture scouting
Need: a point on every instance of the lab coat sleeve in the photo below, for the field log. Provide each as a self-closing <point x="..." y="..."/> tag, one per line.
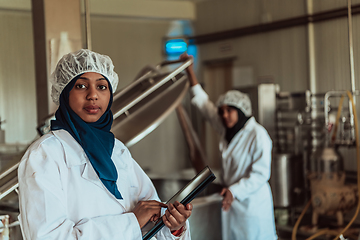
<point x="43" y="203"/>
<point x="146" y="194"/>
<point x="208" y="110"/>
<point x="259" y="171"/>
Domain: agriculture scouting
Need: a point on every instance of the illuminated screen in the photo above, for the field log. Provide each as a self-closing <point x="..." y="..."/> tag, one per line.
<point x="175" y="46"/>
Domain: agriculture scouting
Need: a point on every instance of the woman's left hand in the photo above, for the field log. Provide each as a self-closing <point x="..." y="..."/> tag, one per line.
<point x="176" y="215"/>
<point x="227" y="200"/>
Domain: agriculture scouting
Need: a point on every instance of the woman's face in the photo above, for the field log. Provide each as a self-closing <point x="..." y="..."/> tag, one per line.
<point x="229" y="116"/>
<point x="90" y="96"/>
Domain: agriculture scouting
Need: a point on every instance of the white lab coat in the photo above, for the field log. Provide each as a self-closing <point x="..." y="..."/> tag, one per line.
<point x="245" y="171"/>
<point x="61" y="196"/>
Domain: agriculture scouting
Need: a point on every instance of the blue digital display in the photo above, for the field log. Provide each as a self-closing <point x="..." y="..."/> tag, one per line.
<point x="175" y="46"/>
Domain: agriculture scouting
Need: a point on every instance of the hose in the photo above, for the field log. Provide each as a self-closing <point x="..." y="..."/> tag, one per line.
<point x="358" y="164"/>
<point x="293" y="236"/>
<point x="323" y="231"/>
<point x="318" y="233"/>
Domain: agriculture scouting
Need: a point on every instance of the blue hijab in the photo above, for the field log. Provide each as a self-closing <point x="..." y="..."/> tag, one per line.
<point x="95" y="138"/>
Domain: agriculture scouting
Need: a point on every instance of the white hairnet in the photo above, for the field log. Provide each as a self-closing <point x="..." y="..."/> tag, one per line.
<point x="79" y="62"/>
<point x="236" y="99"/>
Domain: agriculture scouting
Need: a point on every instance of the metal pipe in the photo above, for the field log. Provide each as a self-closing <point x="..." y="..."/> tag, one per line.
<point x="311" y="47"/>
<point x="87" y="24"/>
<point x="153" y="88"/>
<point x="351" y="48"/>
<point x="197" y="153"/>
<point x="327" y="103"/>
<point x="7" y="172"/>
<point x="13" y="224"/>
<point x="9" y="190"/>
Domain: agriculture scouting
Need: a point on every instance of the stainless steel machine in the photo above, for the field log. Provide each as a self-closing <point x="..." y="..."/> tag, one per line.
<point x="307" y="130"/>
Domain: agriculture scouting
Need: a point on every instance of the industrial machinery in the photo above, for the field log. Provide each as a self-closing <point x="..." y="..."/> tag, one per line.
<point x="310" y="133"/>
<point x="326" y="129"/>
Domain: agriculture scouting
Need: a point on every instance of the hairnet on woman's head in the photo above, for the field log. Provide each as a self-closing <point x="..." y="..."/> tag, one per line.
<point x="79" y="62"/>
<point x="236" y="99"/>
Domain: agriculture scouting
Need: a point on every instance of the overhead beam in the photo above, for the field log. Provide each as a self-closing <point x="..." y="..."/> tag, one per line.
<point x="273" y="26"/>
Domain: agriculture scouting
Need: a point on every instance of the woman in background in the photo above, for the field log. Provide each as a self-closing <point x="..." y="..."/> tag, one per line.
<point x="245" y="147"/>
<point x="79" y="181"/>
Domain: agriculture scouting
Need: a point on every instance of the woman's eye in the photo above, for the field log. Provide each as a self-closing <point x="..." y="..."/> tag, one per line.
<point x="102" y="87"/>
<point x="79" y="86"/>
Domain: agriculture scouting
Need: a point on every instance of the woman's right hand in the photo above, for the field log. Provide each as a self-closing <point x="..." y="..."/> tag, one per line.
<point x="185" y="57"/>
<point x="148" y="210"/>
<point x="190" y="69"/>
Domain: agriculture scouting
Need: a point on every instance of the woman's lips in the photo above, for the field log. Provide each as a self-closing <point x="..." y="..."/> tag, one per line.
<point x="92" y="109"/>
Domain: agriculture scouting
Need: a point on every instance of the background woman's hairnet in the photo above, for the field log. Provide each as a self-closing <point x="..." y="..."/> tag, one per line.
<point x="79" y="62"/>
<point x="236" y="99"/>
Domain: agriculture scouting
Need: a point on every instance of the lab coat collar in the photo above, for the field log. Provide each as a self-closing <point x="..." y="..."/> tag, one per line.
<point x="249" y="124"/>
<point x="247" y="127"/>
<point x="71" y="148"/>
<point x="75" y="156"/>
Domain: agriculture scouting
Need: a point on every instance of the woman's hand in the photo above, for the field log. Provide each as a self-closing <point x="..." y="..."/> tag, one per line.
<point x="227" y="200"/>
<point x="190" y="69"/>
<point x="176" y="215"/>
<point x="185" y="57"/>
<point x="148" y="210"/>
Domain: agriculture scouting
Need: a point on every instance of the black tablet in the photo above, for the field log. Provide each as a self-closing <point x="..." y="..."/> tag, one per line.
<point x="186" y="195"/>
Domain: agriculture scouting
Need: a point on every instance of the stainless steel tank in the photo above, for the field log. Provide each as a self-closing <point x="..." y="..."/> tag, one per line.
<point x="286" y="180"/>
<point x="329" y="160"/>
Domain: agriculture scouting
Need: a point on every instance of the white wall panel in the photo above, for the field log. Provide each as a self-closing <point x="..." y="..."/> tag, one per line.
<point x="278" y="56"/>
<point x="328" y="5"/>
<point x="332" y="55"/>
<point x="221" y="15"/>
<point x="17" y="77"/>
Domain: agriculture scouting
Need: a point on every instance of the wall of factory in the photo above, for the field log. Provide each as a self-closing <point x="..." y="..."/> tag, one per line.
<point x="17" y="77"/>
<point x="282" y="56"/>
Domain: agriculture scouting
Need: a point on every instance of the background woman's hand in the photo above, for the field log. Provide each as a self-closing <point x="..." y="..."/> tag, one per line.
<point x="148" y="210"/>
<point x="190" y="69"/>
<point x="227" y="200"/>
<point x="176" y="215"/>
<point x="185" y="57"/>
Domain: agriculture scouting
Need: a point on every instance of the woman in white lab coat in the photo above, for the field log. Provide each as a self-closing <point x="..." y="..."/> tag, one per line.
<point x="78" y="181"/>
<point x="245" y="148"/>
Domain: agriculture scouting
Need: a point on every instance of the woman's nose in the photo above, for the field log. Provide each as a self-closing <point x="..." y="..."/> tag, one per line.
<point x="224" y="114"/>
<point x="92" y="94"/>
